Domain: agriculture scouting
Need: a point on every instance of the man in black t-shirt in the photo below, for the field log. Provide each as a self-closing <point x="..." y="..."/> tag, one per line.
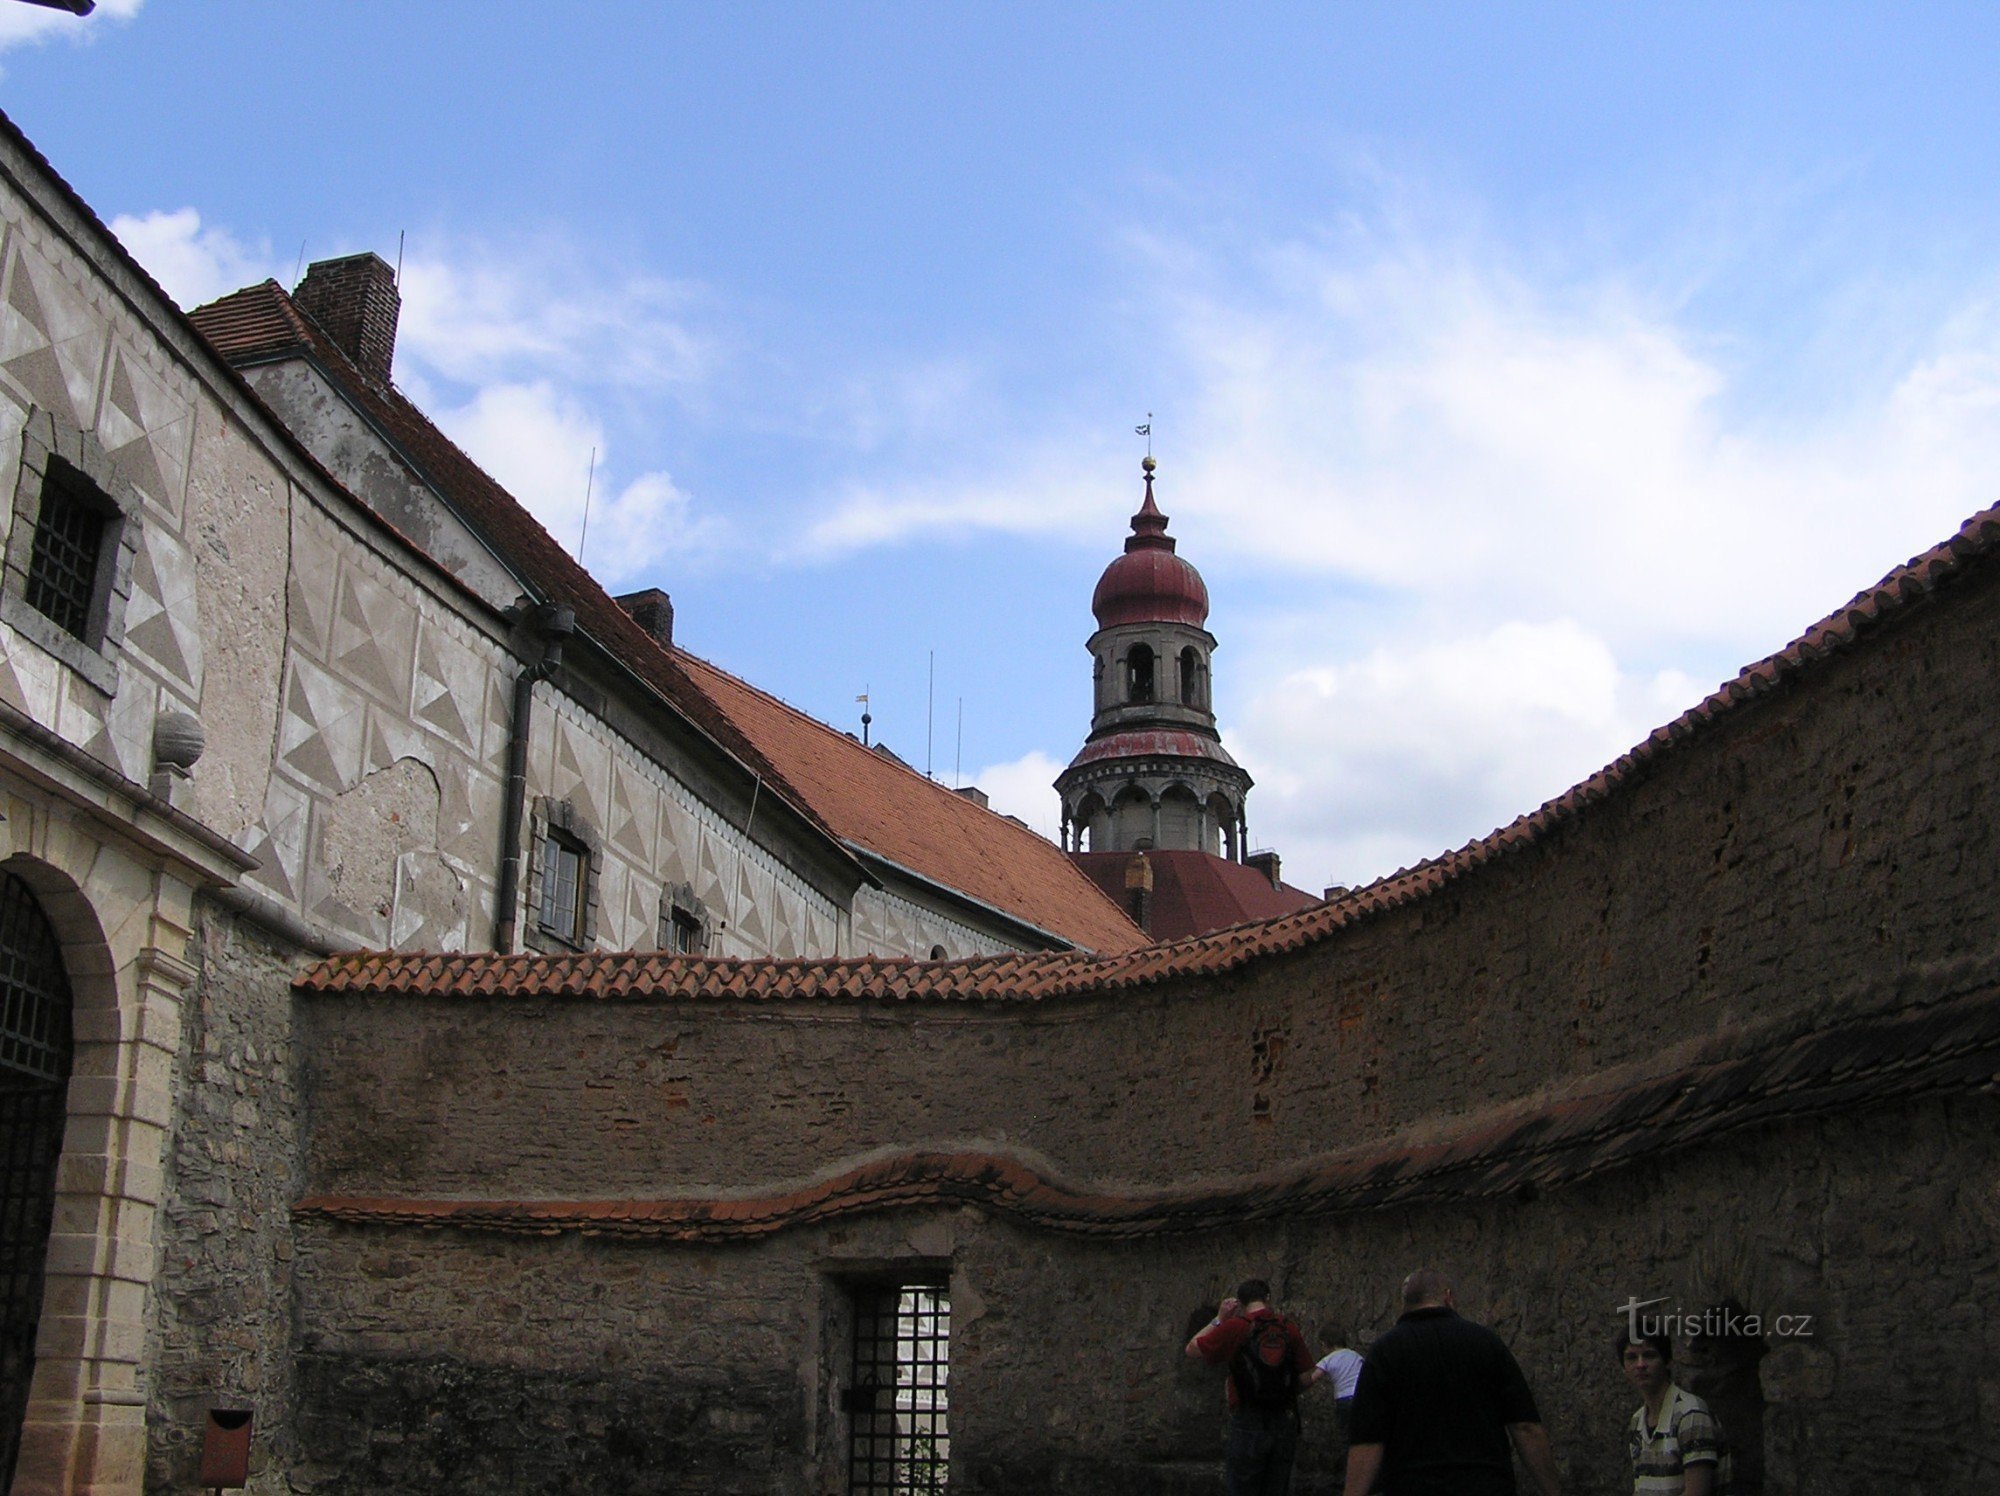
<point x="1439" y="1402"/>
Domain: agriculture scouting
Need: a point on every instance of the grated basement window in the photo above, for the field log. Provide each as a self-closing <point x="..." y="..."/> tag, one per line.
<point x="35" y="1044"/>
<point x="69" y="545"/>
<point x="899" y="1440"/>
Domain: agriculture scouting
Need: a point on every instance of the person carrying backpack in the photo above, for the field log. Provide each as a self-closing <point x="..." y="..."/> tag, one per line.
<point x="1268" y="1365"/>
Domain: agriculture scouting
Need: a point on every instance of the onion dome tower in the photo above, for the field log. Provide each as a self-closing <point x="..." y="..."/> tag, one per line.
<point x="1153" y="773"/>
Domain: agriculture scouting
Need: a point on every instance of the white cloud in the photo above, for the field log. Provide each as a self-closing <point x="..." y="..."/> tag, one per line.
<point x="21" y="24"/>
<point x="537" y="440"/>
<point x="475" y="313"/>
<point x="1373" y="763"/>
<point x="192" y="263"/>
<point x="1022" y="788"/>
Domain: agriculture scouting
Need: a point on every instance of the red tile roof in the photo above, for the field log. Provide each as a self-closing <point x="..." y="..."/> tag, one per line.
<point x="1195" y="893"/>
<point x="887" y="808"/>
<point x="845" y="791"/>
<point x="1970" y="552"/>
<point x="1952" y="1048"/>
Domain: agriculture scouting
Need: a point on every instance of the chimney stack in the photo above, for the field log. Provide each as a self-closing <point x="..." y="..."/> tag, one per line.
<point x="1139" y="891"/>
<point x="355" y="301"/>
<point x="1265" y="863"/>
<point x="653" y="611"/>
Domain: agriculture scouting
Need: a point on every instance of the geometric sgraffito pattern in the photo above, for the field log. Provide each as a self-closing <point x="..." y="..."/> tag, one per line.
<point x="280" y="846"/>
<point x="373" y="637"/>
<point x="582" y="768"/>
<point x="161" y="617"/>
<point x="446" y="691"/>
<point x="633" y="803"/>
<point x="753" y="909"/>
<point x="51" y="341"/>
<point x="145" y="429"/>
<point x="320" y="733"/>
<point x="715" y="877"/>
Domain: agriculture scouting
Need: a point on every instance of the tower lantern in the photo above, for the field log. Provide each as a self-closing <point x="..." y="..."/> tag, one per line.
<point x="1153" y="773"/>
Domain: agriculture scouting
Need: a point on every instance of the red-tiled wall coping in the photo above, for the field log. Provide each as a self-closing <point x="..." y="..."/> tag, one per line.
<point x="1950" y="1048"/>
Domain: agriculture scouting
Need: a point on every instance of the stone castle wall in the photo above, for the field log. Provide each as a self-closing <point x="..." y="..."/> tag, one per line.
<point x="1823" y="855"/>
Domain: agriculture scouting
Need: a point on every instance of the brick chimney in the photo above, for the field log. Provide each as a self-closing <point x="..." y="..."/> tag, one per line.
<point x="355" y="302"/>
<point x="1265" y="863"/>
<point x="1139" y="891"/>
<point x="653" y="611"/>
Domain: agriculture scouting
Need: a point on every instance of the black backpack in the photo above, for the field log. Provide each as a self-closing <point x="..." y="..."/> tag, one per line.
<point x="1262" y="1367"/>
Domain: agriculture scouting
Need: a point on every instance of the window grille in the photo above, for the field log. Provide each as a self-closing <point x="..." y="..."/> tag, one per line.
<point x="899" y="1441"/>
<point x="62" y="569"/>
<point x="34" y="1084"/>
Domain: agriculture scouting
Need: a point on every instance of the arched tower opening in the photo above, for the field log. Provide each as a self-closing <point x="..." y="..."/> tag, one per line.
<point x="1139" y="675"/>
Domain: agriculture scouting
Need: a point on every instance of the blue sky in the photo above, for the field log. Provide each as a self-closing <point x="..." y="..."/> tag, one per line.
<point x="1517" y="372"/>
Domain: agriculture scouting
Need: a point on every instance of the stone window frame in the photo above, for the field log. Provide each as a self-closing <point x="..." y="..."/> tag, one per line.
<point x="681" y="907"/>
<point x="559" y="820"/>
<point x="50" y="445"/>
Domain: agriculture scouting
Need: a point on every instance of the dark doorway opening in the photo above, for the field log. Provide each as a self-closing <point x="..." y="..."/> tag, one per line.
<point x="35" y="1050"/>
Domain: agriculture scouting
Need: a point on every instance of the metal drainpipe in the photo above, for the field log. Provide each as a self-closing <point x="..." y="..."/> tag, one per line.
<point x="552" y="623"/>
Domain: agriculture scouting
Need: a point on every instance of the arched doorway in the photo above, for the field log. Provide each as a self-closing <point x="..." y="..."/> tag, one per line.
<point x="35" y="1050"/>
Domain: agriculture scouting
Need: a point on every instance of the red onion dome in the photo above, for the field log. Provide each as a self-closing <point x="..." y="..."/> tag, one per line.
<point x="1149" y="583"/>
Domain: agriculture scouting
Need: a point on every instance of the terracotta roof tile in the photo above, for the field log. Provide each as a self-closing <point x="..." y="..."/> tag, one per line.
<point x="898" y="814"/>
<point x="1952" y="1050"/>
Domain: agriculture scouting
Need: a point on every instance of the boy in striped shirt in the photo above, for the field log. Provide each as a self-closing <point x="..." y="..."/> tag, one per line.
<point x="1675" y="1446"/>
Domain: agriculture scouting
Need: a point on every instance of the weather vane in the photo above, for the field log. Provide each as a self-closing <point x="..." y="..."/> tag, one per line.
<point x="1147" y="432"/>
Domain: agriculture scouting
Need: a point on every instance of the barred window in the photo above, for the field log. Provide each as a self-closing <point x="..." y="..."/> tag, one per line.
<point x="64" y="568"/>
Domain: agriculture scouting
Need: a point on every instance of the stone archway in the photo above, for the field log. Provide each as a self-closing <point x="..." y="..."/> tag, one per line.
<point x="121" y="919"/>
<point x="37" y="1042"/>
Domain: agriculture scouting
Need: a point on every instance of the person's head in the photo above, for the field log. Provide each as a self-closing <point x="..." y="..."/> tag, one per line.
<point x="1253" y="1291"/>
<point x="1427" y="1288"/>
<point x="1648" y="1361"/>
<point x="1332" y="1337"/>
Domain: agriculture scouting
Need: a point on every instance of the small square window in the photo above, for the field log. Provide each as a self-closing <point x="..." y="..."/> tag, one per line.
<point x="685" y="934"/>
<point x="565" y="876"/>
